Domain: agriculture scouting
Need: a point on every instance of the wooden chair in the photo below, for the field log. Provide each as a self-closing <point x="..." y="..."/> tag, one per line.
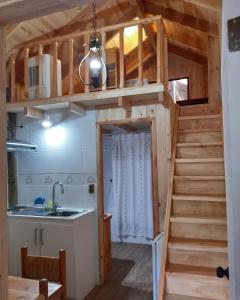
<point x="46" y="269"/>
<point x="43" y="288"/>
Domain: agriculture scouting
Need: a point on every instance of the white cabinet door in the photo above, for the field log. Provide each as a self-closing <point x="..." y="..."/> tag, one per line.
<point x="22" y="232"/>
<point x="60" y="235"/>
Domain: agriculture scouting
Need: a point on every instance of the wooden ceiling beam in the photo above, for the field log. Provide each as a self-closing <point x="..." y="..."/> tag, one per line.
<point x="187" y="53"/>
<point x="209" y="4"/>
<point x="15" y="11"/>
<point x="140" y="10"/>
<point x="147" y="60"/>
<point x="187" y="47"/>
<point x="184" y="19"/>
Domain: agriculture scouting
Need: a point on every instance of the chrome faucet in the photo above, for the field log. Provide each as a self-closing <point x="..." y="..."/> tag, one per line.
<point x="54" y="203"/>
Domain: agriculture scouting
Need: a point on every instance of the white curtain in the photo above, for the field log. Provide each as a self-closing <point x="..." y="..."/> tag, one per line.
<point x="132" y="186"/>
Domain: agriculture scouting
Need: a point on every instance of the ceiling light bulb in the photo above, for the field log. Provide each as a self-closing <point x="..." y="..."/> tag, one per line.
<point x="95" y="64"/>
<point x="46" y="123"/>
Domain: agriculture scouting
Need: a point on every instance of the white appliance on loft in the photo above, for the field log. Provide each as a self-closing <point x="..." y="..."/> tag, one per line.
<point x="47" y="72"/>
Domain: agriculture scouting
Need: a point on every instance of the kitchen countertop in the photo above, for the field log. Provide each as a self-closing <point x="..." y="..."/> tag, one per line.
<point x="81" y="212"/>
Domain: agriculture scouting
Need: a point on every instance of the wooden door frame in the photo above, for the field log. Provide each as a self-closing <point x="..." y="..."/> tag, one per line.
<point x="100" y="132"/>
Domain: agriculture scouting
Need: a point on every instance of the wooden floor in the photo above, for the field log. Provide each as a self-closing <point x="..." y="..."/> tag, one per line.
<point x="131" y="275"/>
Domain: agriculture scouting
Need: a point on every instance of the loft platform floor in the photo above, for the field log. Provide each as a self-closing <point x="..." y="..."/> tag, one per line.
<point x="131" y="275"/>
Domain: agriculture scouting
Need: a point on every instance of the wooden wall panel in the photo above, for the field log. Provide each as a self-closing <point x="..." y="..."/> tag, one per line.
<point x="163" y="127"/>
<point x="179" y="67"/>
<point x="214" y="71"/>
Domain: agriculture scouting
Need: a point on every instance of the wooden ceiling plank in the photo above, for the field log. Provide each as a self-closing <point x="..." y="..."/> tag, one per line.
<point x="178" y="17"/>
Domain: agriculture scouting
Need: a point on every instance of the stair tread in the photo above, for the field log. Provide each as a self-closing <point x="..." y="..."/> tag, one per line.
<point x="191" y="270"/>
<point x="210" y="198"/>
<point x="198" y="244"/>
<point x="198" y="160"/>
<point x="199" y="178"/>
<point x="188" y="218"/>
<point x="197" y="117"/>
<point x="182" y="297"/>
<point x="199" y="144"/>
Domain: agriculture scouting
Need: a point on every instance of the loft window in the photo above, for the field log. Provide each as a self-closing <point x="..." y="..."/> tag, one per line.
<point x="179" y="89"/>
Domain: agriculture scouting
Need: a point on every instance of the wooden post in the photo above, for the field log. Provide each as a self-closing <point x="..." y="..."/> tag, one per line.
<point x="156" y="227"/>
<point x="104" y="84"/>
<point x="26" y="72"/>
<point x="3" y="168"/>
<point x="100" y="204"/>
<point x="160" y="52"/>
<point x="165" y="49"/>
<point x="140" y="54"/>
<point x="70" y="57"/>
<point x="87" y="71"/>
<point x="121" y="58"/>
<point x="214" y="74"/>
<point x="54" y="70"/>
<point x="40" y="70"/>
<point x="13" y="78"/>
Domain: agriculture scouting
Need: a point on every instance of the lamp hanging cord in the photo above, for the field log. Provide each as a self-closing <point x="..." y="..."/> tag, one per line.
<point x="94" y="47"/>
<point x="94" y="18"/>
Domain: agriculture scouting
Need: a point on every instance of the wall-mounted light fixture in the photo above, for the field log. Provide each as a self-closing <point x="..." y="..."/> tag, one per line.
<point x="46" y="122"/>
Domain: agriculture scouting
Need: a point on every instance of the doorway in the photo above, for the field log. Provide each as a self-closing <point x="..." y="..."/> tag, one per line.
<point x="127" y="196"/>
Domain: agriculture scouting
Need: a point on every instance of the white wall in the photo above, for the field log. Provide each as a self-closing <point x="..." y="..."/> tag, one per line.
<point x="231" y="113"/>
<point x="66" y="152"/>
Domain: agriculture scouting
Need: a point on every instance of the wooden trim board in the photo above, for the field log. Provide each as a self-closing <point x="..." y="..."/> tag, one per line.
<point x="124" y="122"/>
<point x="92" y="98"/>
<point x="168" y="212"/>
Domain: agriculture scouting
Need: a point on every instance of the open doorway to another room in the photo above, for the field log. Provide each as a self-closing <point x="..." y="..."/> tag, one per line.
<point x="129" y="205"/>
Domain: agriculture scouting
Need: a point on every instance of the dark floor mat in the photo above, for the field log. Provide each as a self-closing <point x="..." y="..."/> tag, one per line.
<point x="113" y="290"/>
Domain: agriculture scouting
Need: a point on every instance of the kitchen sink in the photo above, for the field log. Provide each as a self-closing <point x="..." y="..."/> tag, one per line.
<point x="42" y="212"/>
<point x="64" y="213"/>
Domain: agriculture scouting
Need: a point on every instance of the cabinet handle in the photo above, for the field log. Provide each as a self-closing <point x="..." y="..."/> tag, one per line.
<point x="35" y="236"/>
<point x="41" y="237"/>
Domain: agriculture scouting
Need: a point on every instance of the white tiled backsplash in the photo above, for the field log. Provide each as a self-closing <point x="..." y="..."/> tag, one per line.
<point x="66" y="153"/>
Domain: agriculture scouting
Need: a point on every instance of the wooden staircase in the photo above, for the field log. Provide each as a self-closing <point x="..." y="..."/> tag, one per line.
<point x="196" y="225"/>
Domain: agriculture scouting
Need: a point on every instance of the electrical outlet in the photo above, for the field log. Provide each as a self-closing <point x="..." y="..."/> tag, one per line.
<point x="91" y="188"/>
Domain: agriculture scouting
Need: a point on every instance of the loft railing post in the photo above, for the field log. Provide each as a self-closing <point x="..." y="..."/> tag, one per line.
<point x="121" y="58"/>
<point x="13" y="77"/>
<point x="87" y="70"/>
<point x="26" y="72"/>
<point x="165" y="47"/>
<point x="140" y="54"/>
<point x="104" y="76"/>
<point x="54" y="85"/>
<point x="40" y="70"/>
<point x="160" y="51"/>
<point x="70" y="70"/>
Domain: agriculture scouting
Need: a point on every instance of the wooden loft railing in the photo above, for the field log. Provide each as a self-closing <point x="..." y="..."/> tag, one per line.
<point x="90" y="98"/>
